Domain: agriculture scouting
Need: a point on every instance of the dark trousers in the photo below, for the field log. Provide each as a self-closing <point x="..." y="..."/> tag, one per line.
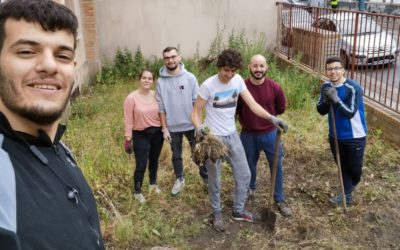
<point x="351" y="153"/>
<point x="147" y="145"/>
<point x="176" y="148"/>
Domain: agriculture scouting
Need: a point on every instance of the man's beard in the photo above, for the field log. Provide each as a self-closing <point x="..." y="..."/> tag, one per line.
<point x="36" y="114"/>
<point x="253" y="74"/>
<point x="172" y="68"/>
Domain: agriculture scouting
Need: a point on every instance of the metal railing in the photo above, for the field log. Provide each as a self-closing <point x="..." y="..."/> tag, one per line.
<point x="368" y="44"/>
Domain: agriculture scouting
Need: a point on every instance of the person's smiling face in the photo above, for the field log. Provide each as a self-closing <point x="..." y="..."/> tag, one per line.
<point x="37" y="71"/>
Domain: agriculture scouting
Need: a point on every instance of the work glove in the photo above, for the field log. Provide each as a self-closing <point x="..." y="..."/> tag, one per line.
<point x="128" y="146"/>
<point x="279" y="123"/>
<point x="200" y="132"/>
<point x="331" y="94"/>
<point x="166" y="135"/>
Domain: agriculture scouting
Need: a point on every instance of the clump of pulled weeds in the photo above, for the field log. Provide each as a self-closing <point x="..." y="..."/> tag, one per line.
<point x="210" y="147"/>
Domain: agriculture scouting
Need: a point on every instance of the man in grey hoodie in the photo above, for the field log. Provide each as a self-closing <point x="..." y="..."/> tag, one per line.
<point x="176" y="92"/>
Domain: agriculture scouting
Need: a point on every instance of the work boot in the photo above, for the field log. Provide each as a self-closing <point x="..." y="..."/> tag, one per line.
<point x="338" y="200"/>
<point x="218" y="223"/>
<point x="178" y="186"/>
<point x="284" y="208"/>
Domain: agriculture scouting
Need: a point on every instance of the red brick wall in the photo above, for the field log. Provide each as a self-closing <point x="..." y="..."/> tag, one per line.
<point x="89" y="29"/>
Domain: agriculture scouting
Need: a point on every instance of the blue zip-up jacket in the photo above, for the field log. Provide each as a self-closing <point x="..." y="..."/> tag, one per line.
<point x="37" y="208"/>
<point x="176" y="95"/>
<point x="349" y="111"/>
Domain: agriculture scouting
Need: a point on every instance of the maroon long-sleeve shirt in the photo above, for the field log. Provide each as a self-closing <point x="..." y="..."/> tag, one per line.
<point x="271" y="97"/>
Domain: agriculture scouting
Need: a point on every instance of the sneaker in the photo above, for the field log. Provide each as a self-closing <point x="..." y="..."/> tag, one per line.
<point x="338" y="200"/>
<point x="244" y="216"/>
<point x="178" y="186"/>
<point x="139" y="197"/>
<point x="154" y="188"/>
<point x="218" y="223"/>
<point x="284" y="208"/>
<point x="251" y="193"/>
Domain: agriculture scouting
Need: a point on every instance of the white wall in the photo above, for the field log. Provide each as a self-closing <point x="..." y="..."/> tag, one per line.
<point x="189" y="24"/>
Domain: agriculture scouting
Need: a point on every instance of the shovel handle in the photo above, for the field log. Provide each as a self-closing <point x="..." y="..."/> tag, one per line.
<point x="337" y="156"/>
<point x="274" y="167"/>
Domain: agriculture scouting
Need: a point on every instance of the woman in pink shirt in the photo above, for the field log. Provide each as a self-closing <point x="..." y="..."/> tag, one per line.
<point x="143" y="133"/>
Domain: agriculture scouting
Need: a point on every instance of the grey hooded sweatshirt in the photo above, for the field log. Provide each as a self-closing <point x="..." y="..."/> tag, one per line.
<point x="175" y="96"/>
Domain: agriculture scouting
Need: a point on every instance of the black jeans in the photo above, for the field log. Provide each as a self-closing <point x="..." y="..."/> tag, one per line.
<point x="147" y="145"/>
<point x="351" y="153"/>
<point x="176" y="147"/>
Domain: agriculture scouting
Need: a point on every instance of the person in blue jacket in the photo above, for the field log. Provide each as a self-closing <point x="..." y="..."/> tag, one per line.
<point x="346" y="97"/>
<point x="45" y="201"/>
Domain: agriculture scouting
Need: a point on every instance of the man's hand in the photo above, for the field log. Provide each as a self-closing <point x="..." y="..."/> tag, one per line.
<point x="279" y="122"/>
<point x="166" y="135"/>
<point x="128" y="146"/>
<point x="331" y="94"/>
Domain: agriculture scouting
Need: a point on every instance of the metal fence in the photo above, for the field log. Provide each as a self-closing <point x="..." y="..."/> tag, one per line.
<point x="368" y="44"/>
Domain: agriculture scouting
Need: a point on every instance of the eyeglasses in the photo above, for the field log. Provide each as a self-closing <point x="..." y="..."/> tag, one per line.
<point x="336" y="69"/>
<point x="167" y="58"/>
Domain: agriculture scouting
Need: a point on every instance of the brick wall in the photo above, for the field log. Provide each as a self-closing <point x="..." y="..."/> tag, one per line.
<point x="379" y="117"/>
<point x="89" y="30"/>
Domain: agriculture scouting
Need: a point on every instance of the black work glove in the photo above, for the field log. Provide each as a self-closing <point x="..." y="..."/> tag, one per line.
<point x="279" y="122"/>
<point x="331" y="94"/>
<point x="200" y="132"/>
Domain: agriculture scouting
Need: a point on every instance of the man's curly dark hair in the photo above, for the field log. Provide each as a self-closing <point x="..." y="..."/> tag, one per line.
<point x="230" y="58"/>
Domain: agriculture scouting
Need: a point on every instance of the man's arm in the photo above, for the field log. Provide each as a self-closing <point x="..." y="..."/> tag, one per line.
<point x="323" y="102"/>
<point x="197" y="111"/>
<point x="349" y="106"/>
<point x="280" y="101"/>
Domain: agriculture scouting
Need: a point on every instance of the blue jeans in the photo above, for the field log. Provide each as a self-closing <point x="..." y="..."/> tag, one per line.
<point x="147" y="145"/>
<point x="176" y="148"/>
<point x="351" y="153"/>
<point x="253" y="144"/>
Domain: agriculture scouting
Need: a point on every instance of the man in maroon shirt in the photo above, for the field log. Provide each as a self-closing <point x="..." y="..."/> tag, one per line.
<point x="259" y="134"/>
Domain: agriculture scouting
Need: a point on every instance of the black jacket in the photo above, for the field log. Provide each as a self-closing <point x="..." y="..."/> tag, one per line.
<point x="45" y="202"/>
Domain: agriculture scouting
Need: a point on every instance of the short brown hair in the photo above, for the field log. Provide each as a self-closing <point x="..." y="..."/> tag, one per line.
<point x="230" y="58"/>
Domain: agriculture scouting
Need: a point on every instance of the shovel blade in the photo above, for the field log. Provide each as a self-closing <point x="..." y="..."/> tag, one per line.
<point x="268" y="217"/>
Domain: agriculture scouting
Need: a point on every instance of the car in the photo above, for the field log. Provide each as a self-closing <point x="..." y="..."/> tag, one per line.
<point x="294" y="17"/>
<point x="374" y="46"/>
<point x="298" y="2"/>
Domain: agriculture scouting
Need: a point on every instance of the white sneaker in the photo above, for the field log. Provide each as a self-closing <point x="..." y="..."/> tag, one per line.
<point x="154" y="188"/>
<point x="178" y="186"/>
<point x="139" y="197"/>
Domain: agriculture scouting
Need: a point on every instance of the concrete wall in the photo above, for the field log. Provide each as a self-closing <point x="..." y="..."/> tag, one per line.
<point x="189" y="24"/>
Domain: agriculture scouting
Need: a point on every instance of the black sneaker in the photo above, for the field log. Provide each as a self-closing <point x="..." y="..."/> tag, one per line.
<point x="244" y="216"/>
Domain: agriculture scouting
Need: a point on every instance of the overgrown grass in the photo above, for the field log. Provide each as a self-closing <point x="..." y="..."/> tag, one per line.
<point x="95" y="134"/>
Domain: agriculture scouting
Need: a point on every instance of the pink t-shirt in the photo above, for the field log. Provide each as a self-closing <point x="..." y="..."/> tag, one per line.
<point x="139" y="115"/>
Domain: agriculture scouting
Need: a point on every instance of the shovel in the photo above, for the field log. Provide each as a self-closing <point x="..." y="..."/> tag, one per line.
<point x="268" y="216"/>
<point x="337" y="157"/>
